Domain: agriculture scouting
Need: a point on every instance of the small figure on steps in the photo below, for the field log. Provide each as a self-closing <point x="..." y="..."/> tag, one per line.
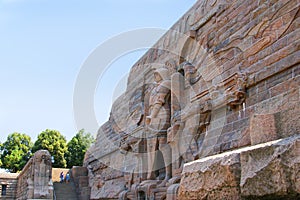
<point x="67" y="177"/>
<point x="61" y="177"/>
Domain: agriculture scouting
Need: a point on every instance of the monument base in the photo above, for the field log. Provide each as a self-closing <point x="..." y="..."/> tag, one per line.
<point x="268" y="170"/>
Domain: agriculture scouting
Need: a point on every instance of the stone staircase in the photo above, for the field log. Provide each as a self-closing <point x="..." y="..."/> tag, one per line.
<point x="65" y="191"/>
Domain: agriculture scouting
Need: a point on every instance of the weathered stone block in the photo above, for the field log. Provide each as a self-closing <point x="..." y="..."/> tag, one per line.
<point x="79" y="171"/>
<point x="262" y="128"/>
<point x="264" y="171"/>
<point x="215" y="177"/>
<point x="111" y="189"/>
<point x="271" y="170"/>
<point x="287" y="121"/>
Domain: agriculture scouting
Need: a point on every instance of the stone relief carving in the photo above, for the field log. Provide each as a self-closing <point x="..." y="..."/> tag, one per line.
<point x="128" y="141"/>
<point x="171" y="65"/>
<point x="178" y="111"/>
<point x="264" y="31"/>
<point x="191" y="73"/>
<point x="216" y="10"/>
<point x="195" y="119"/>
<point x="165" y="119"/>
<point x="158" y="121"/>
<point x="236" y="94"/>
<point x="191" y="118"/>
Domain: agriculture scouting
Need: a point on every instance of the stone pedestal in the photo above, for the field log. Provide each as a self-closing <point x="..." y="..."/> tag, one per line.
<point x="268" y="170"/>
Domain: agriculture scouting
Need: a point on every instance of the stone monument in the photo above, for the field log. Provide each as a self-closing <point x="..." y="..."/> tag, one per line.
<point x="211" y="111"/>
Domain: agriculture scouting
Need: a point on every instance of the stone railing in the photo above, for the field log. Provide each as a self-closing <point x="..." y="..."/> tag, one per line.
<point x="34" y="182"/>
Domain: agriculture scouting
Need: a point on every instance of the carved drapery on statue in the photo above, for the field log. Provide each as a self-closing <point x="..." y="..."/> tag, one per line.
<point x="158" y="121"/>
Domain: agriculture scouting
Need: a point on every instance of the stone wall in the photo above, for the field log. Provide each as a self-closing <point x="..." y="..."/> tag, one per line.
<point x="8" y="185"/>
<point x="35" y="180"/>
<point x="231" y="80"/>
<point x="80" y="177"/>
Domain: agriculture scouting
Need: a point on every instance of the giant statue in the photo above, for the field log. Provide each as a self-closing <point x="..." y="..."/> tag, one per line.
<point x="158" y="121"/>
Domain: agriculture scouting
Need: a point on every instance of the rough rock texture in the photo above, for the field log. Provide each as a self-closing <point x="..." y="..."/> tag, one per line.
<point x="224" y="77"/>
<point x="272" y="170"/>
<point x="265" y="171"/>
<point x="80" y="178"/>
<point x="211" y="178"/>
<point x="110" y="189"/>
<point x="262" y="128"/>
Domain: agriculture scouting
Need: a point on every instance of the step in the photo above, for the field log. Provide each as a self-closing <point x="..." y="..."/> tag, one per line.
<point x="65" y="191"/>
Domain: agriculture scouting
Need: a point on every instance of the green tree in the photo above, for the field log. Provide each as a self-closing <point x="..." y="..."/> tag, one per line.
<point x="15" y="151"/>
<point x="77" y="147"/>
<point x="55" y="143"/>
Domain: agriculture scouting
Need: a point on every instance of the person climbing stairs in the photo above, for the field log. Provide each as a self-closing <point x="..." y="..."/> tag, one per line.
<point x="64" y="190"/>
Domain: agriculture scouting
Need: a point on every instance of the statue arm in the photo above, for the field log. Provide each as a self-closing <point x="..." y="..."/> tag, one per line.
<point x="155" y="110"/>
<point x="157" y="104"/>
<point x="154" y="113"/>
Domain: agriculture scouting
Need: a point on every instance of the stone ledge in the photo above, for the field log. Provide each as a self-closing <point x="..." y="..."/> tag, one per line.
<point x="262" y="171"/>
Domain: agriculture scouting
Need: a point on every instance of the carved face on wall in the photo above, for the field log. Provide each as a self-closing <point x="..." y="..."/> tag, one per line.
<point x="190" y="72"/>
<point x="157" y="77"/>
<point x="161" y="74"/>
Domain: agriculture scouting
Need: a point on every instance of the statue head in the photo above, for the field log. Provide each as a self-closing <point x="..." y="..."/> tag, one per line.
<point x="190" y="72"/>
<point x="161" y="74"/>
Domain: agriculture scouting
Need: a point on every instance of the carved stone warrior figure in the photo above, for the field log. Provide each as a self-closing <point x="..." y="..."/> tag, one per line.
<point x="190" y="73"/>
<point x="195" y="116"/>
<point x="237" y="93"/>
<point x="158" y="121"/>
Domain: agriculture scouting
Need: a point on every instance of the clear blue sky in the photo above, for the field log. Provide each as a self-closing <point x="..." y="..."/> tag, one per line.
<point x="43" y="44"/>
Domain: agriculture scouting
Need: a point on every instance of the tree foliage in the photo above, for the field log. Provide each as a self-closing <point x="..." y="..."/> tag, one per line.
<point x="18" y="148"/>
<point x="55" y="143"/>
<point x="77" y="147"/>
<point x="15" y="151"/>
